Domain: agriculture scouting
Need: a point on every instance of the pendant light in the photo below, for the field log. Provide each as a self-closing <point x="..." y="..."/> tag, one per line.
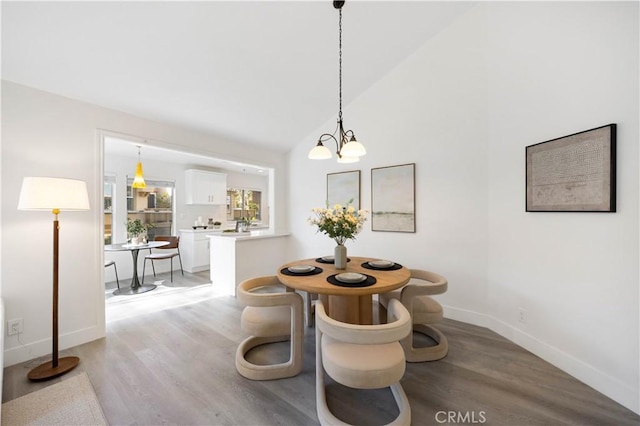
<point x="138" y="180"/>
<point x="348" y="149"/>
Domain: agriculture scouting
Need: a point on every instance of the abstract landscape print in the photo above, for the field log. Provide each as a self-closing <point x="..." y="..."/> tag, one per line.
<point x="393" y="198"/>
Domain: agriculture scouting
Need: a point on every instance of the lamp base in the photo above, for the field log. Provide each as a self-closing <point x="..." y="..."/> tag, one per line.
<point x="46" y="371"/>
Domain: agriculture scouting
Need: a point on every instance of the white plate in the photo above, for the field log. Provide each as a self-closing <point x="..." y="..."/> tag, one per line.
<point x="351" y="277"/>
<point x="301" y="269"/>
<point x="381" y="263"/>
<point x="327" y="258"/>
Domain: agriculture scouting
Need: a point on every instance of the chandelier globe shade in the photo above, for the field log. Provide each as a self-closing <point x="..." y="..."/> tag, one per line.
<point x="353" y="148"/>
<point x="319" y="152"/>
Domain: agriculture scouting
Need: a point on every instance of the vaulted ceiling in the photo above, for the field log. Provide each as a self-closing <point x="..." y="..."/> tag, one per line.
<point x="259" y="72"/>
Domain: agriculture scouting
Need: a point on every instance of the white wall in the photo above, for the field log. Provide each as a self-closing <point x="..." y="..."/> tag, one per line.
<point x="574" y="274"/>
<point x="463" y="108"/>
<point x="429" y="111"/>
<point x="46" y="134"/>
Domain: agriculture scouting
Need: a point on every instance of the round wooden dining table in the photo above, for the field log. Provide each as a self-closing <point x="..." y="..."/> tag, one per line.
<point x="343" y="302"/>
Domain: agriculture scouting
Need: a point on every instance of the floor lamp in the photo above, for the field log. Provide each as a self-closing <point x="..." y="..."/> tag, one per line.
<point x="54" y="194"/>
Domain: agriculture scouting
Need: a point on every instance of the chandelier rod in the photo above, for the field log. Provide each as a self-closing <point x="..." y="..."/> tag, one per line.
<point x="340" y="63"/>
<point x="344" y="140"/>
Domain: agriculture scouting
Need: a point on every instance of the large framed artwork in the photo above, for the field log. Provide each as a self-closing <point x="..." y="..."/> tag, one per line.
<point x="393" y="206"/>
<point x="575" y="173"/>
<point x="344" y="187"/>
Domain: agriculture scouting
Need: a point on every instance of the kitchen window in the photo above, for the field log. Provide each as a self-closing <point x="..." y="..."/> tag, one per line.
<point x="152" y="205"/>
<point x="244" y="203"/>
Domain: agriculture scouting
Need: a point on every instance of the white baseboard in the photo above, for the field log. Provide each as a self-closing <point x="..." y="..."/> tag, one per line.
<point x="586" y="373"/>
<point x="468" y="317"/>
<point x="40" y="348"/>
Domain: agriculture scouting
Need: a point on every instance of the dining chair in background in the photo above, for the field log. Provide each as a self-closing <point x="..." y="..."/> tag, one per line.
<point x="424" y="310"/>
<point x="310" y="299"/>
<point x="362" y="357"/>
<point x="271" y="314"/>
<point x="108" y="263"/>
<point x="166" y="252"/>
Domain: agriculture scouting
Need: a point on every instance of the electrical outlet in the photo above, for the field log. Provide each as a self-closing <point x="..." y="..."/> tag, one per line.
<point x="522" y="316"/>
<point x="15" y="326"/>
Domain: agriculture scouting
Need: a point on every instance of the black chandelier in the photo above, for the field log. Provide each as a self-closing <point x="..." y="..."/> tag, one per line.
<point x="348" y="149"/>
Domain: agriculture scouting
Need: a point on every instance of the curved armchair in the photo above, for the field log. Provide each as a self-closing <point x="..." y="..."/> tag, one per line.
<point x="361" y="357"/>
<point x="424" y="310"/>
<point x="269" y="317"/>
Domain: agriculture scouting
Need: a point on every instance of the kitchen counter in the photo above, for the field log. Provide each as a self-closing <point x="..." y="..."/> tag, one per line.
<point x="202" y="231"/>
<point x="238" y="256"/>
<point x="249" y="235"/>
<point x="195" y="244"/>
<point x="212" y="230"/>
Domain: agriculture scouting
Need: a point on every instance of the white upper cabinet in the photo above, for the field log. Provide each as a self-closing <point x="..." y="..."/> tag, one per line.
<point x="205" y="187"/>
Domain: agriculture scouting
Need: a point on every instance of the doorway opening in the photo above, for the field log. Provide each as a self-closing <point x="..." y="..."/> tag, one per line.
<point x="162" y="206"/>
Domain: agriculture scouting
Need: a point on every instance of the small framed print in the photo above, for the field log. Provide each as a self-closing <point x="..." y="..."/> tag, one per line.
<point x="344" y="188"/>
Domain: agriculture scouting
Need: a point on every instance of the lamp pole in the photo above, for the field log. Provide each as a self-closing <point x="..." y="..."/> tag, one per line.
<point x="57" y="366"/>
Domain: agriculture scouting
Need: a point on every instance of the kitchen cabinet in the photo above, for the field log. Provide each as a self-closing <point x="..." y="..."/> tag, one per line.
<point x="194" y="249"/>
<point x="203" y="187"/>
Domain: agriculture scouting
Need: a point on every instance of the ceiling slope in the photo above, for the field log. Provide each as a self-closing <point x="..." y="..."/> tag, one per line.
<point x="258" y="72"/>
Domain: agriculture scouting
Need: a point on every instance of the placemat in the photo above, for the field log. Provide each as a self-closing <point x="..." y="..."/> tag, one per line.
<point x="321" y="260"/>
<point x="286" y="271"/>
<point x="394" y="267"/>
<point x="366" y="283"/>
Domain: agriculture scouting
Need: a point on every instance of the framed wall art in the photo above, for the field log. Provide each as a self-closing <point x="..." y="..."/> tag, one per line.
<point x="575" y="173"/>
<point x="393" y="206"/>
<point x="343" y="187"/>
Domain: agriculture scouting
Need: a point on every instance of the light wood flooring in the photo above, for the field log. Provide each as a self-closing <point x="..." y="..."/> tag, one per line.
<point x="173" y="363"/>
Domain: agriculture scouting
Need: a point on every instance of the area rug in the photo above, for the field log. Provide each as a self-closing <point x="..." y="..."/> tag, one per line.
<point x="69" y="402"/>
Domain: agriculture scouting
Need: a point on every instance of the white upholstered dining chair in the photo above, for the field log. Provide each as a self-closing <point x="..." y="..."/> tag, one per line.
<point x="361" y="357"/>
<point x="425" y="311"/>
<point x="271" y="315"/>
